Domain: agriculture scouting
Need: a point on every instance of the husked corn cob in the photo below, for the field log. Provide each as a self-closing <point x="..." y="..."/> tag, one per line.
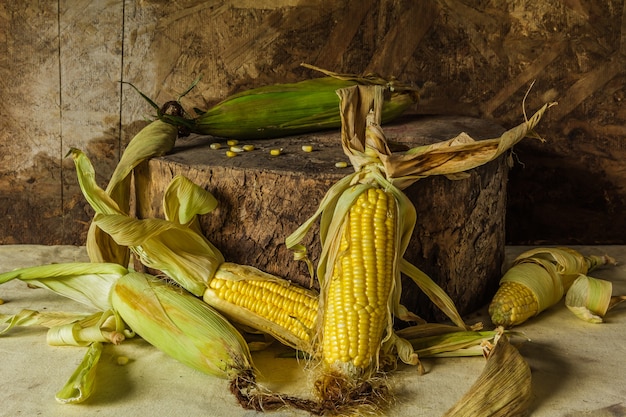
<point x="513" y="304"/>
<point x="356" y="304"/>
<point x="265" y="302"/>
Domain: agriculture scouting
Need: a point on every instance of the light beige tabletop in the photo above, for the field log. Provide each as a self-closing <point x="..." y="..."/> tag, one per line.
<point x="578" y="369"/>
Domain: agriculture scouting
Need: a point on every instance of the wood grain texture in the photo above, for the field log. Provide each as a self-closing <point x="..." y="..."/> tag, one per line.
<point x="62" y="62"/>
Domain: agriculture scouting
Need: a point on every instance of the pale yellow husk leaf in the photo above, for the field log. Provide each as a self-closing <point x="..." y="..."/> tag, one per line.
<point x="589" y="298"/>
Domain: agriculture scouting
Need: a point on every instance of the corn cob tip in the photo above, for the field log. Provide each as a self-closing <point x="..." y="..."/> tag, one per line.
<point x="513" y="304"/>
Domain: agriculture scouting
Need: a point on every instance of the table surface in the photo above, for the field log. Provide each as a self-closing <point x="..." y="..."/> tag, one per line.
<point x="578" y="369"/>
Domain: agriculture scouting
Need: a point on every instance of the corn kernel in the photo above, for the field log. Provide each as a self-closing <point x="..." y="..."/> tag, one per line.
<point x="248" y="148"/>
<point x="341" y="164"/>
<point x="307" y="148"/>
<point x="215" y="145"/>
<point x="276" y="152"/>
<point x="236" y="149"/>
<point x="232" y="142"/>
<point x="122" y="360"/>
<point x="230" y="154"/>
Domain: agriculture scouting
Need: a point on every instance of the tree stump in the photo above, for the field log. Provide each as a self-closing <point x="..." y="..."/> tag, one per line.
<point x="458" y="239"/>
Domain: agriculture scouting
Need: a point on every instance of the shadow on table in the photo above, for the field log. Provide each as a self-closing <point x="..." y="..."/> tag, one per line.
<point x="550" y="370"/>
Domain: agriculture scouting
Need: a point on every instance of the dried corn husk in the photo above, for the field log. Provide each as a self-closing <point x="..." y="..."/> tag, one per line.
<point x="503" y="389"/>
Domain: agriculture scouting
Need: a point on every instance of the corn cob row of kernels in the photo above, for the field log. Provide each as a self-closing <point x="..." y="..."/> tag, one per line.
<point x="356" y="312"/>
<point x="513" y="304"/>
<point x="265" y="302"/>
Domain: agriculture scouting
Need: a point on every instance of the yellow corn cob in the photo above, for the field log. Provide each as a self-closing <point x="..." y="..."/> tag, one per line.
<point x="513" y="304"/>
<point x="538" y="279"/>
<point x="357" y="300"/>
<point x="265" y="302"/>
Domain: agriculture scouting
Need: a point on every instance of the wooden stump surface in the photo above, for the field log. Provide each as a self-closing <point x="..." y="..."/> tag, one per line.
<point x="458" y="239"/>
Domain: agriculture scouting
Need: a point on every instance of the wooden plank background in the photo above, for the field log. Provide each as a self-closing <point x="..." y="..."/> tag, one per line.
<point x="62" y="63"/>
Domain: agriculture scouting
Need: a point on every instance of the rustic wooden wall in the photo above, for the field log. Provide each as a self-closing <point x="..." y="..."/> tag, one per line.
<point x="62" y="63"/>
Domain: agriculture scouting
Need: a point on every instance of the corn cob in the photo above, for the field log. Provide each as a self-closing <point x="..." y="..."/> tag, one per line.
<point x="176" y="247"/>
<point x="356" y="305"/>
<point x="538" y="279"/>
<point x="265" y="302"/>
<point x="195" y="334"/>
<point x="514" y="303"/>
<point x="356" y="336"/>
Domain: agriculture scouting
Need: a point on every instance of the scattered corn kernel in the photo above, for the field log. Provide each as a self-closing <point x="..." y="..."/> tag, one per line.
<point x="237" y="149"/>
<point x="307" y="148"/>
<point x="122" y="360"/>
<point x="230" y="154"/>
<point x="341" y="164"/>
<point x="276" y="152"/>
<point x="232" y="142"/>
<point x="215" y="145"/>
<point x="248" y="148"/>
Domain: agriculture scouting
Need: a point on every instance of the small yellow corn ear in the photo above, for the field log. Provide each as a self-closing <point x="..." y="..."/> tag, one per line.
<point x="538" y="279"/>
<point x="181" y="325"/>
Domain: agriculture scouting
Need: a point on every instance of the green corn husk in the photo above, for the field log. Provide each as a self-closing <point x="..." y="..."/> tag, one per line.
<point x="82" y="383"/>
<point x="441" y="340"/>
<point x="156" y="139"/>
<point x="89" y="284"/>
<point x="84" y="282"/>
<point x="181" y="326"/>
<point x="293" y="108"/>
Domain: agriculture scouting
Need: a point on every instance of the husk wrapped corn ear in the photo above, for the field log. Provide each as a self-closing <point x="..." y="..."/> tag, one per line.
<point x="168" y="317"/>
<point x="537" y="280"/>
<point x="176" y="247"/>
<point x="287" y="109"/>
<point x="181" y="326"/>
<point x="377" y="171"/>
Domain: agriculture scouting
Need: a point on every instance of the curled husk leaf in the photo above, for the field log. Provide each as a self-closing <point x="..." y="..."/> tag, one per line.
<point x="82" y="383"/>
<point x="589" y="298"/>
